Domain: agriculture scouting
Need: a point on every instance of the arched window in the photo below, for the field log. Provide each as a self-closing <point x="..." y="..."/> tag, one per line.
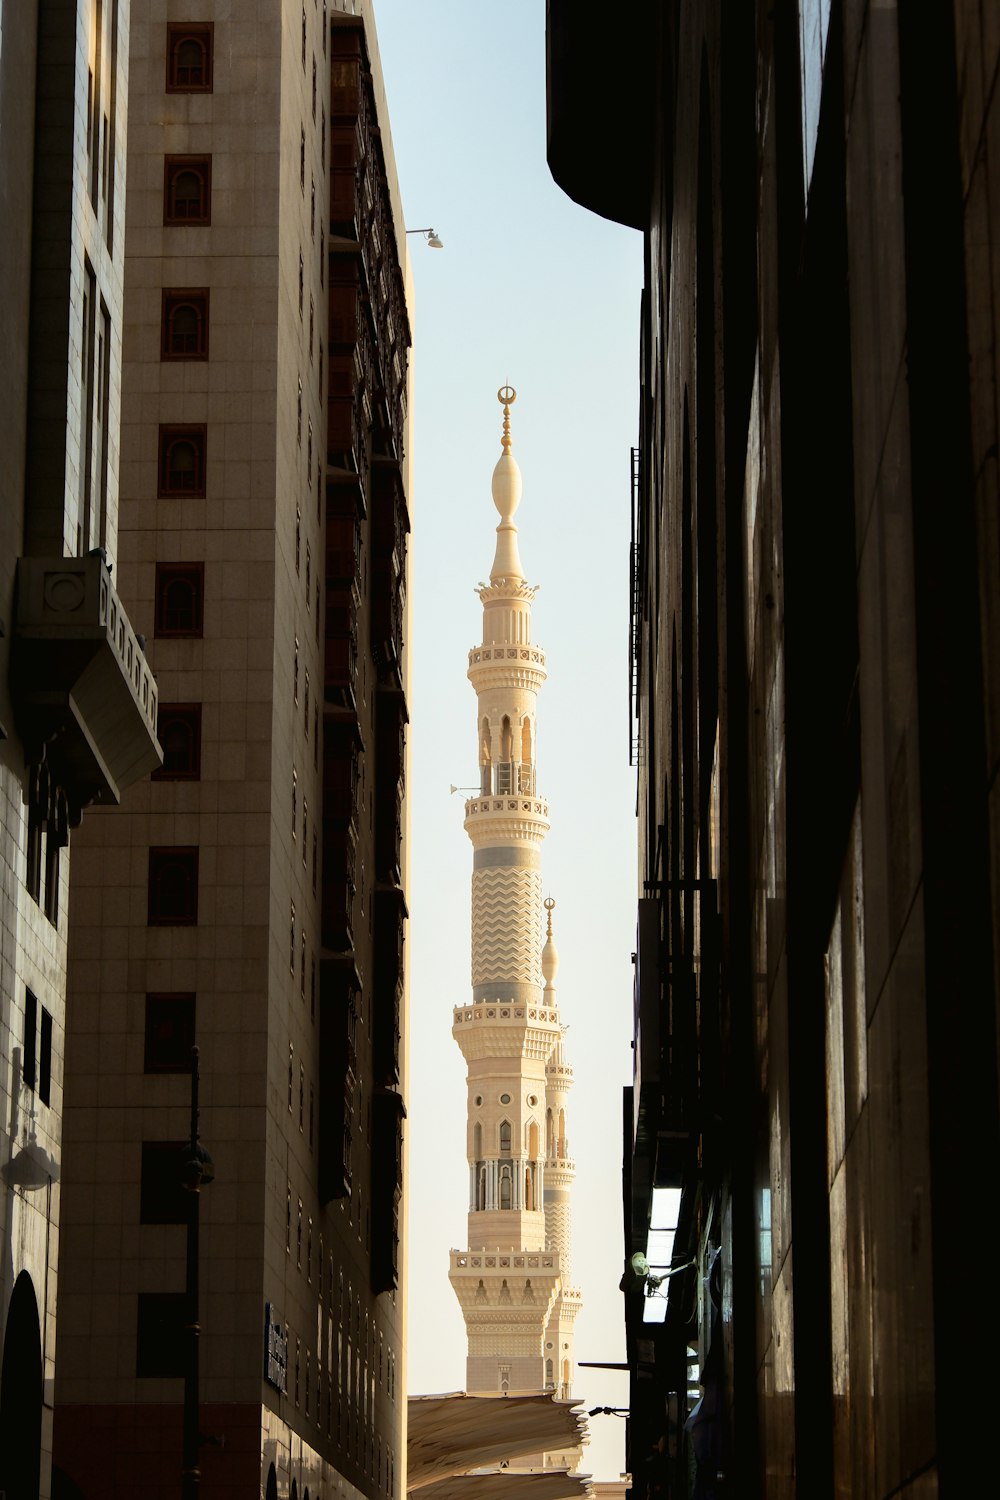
<point x="187" y="198"/>
<point x="549" y="1372"/>
<point x="506" y="740"/>
<point x="189" y="58"/>
<point x="185" y="324"/>
<point x="562" y="1133"/>
<point x="529" y="1189"/>
<point x="182" y="464"/>
<point x="533" y="1141"/>
<point x="179" y="591"/>
<point x="486" y="760"/>
<point x="505" y="1137"/>
<point x="525" y="775"/>
<point x="505" y="1187"/>
<point x="481" y="1189"/>
<point x="477" y="1142"/>
<point x="549" y="1134"/>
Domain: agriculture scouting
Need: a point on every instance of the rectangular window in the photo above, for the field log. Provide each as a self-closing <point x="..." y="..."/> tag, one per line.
<point x="184" y="323"/>
<point x="178" y="728"/>
<point x="29" y="1059"/>
<point x="190" y="45"/>
<point x="187" y="190"/>
<point x="52" y="877"/>
<point x="169" y="1033"/>
<point x="162" y="1197"/>
<point x="179" y="599"/>
<point x="160" y="1324"/>
<point x="45" y="1058"/>
<point x="173" y="887"/>
<point x="182" y="462"/>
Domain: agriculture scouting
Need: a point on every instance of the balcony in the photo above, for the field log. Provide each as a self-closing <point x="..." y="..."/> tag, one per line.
<point x="82" y="686"/>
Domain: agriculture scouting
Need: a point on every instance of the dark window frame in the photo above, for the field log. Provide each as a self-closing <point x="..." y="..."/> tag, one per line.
<point x="160" y="1342"/>
<point x="174" y="299"/>
<point x="173" y="168"/>
<point x="179" y="32"/>
<point x="171" y="1055"/>
<point x="163" y="1199"/>
<point x="171" y="574"/>
<point x="189" y="716"/>
<point x="182" y="861"/>
<point x="170" y="437"/>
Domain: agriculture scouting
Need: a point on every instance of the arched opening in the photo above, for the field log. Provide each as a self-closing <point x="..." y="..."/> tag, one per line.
<point x="505" y="1137"/>
<point x="294" y="1491"/>
<point x="525" y="773"/>
<point x="549" y="1374"/>
<point x="271" y="1488"/>
<point x="505" y="765"/>
<point x="561" y="1143"/>
<point x="485" y="760"/>
<point x="550" y="1134"/>
<point x="533" y="1141"/>
<point x="505" y="1187"/>
<point x="477" y="1142"/>
<point x="565" y="1377"/>
<point x="481" y="1196"/>
<point x="21" y="1396"/>
<point x="529" y="1190"/>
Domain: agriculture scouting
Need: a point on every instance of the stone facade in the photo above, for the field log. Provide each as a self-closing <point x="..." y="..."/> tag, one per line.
<point x="78" y="703"/>
<point x="249" y="898"/>
<point x="816" y="703"/>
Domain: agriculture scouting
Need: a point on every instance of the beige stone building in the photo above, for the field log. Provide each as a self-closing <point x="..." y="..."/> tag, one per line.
<point x="78" y="702"/>
<point x="514" y="1281"/>
<point x="249" y="898"/>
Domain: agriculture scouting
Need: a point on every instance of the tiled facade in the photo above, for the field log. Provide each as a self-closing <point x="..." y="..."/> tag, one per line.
<point x="77" y="699"/>
<point x="815" y="586"/>
<point x="249" y="898"/>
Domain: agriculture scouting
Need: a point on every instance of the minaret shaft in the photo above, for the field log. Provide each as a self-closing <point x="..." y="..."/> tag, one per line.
<point x="513" y="1280"/>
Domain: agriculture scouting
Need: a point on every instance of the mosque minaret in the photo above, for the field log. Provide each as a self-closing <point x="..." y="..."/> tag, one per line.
<point x="514" y="1280"/>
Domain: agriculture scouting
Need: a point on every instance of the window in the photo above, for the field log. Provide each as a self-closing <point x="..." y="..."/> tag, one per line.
<point x="45" y="1058"/>
<point x="189" y="57"/>
<point x="160" y="1339"/>
<point x="184" y="324"/>
<point x="29" y="1056"/>
<point x="173" y="887"/>
<point x="187" y="190"/>
<point x="169" y="1033"/>
<point x="163" y="1198"/>
<point x="182" y="462"/>
<point x="179" y="599"/>
<point x="179" y="732"/>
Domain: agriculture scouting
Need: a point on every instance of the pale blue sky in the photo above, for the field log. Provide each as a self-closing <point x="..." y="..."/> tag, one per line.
<point x="529" y="288"/>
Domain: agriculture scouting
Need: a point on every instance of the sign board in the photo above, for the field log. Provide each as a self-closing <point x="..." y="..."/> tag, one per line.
<point x="275" y="1350"/>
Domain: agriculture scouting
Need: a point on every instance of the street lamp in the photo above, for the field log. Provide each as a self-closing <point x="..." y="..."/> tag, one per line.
<point x="431" y="236"/>
<point x="197" y="1171"/>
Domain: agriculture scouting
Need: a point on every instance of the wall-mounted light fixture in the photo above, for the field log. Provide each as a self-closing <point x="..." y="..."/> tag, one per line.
<point x="431" y="236"/>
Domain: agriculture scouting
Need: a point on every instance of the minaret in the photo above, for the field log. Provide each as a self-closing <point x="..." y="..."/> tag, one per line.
<point x="513" y="1281"/>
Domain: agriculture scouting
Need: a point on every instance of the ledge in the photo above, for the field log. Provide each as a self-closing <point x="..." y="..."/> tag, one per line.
<point x="599" y="88"/>
<point x="82" y="687"/>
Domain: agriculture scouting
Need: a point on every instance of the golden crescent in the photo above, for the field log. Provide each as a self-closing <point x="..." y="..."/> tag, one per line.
<point x="548" y="903"/>
<point x="507" y="395"/>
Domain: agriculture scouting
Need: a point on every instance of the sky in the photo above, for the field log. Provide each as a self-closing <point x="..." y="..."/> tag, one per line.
<point x="533" y="289"/>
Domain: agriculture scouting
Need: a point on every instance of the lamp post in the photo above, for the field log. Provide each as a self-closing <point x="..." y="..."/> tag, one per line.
<point x="197" y="1171"/>
<point x="431" y="236"/>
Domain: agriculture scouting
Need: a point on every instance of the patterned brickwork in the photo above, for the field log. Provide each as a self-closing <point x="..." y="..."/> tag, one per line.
<point x="506" y="926"/>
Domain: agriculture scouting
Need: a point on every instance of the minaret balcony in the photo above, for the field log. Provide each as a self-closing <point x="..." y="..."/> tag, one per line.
<point x="501" y="820"/>
<point x="507" y="666"/>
